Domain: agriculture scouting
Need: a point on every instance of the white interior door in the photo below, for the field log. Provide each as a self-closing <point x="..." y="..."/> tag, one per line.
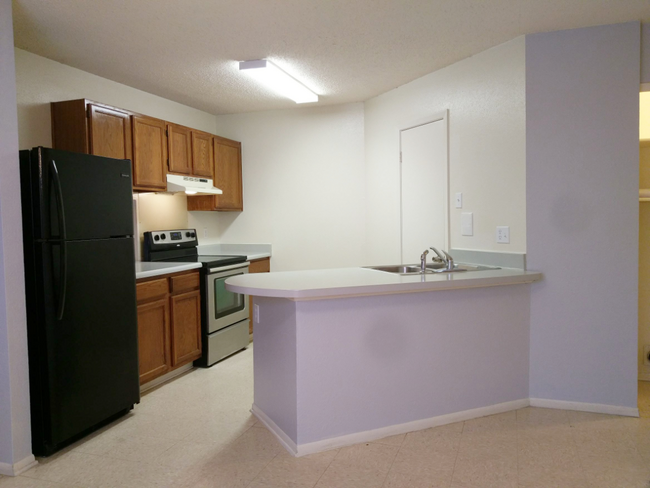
<point x="424" y="188"/>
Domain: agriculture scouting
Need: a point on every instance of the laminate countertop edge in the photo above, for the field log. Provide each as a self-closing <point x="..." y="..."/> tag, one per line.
<point x="145" y="269"/>
<point x="350" y="282"/>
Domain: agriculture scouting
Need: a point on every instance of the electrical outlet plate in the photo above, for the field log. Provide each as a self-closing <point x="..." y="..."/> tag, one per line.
<point x="503" y="234"/>
<point x="646" y="355"/>
<point x="467" y="224"/>
<point x="256" y="313"/>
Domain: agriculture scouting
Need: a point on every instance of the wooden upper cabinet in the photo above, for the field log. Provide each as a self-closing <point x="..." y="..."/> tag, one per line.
<point x="149" y="154"/>
<point x="227" y="177"/>
<point x="202" y="154"/>
<point x="109" y="132"/>
<point x="179" y="145"/>
<point x="227" y="174"/>
<point x="92" y="128"/>
<point x="154" y="146"/>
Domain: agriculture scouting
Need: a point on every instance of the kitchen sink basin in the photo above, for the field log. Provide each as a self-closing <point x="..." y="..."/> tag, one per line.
<point x="461" y="267"/>
<point x="409" y="269"/>
<point x="400" y="269"/>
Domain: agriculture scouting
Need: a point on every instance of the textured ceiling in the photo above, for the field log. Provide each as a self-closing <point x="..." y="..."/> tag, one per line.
<point x="345" y="50"/>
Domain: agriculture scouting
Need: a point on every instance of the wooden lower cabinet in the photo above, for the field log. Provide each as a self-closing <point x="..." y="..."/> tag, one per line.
<point x="257" y="266"/>
<point x="169" y="323"/>
<point x="186" y="336"/>
<point x="153" y="339"/>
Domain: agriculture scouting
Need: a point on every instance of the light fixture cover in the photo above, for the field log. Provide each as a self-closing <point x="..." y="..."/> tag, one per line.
<point x="273" y="77"/>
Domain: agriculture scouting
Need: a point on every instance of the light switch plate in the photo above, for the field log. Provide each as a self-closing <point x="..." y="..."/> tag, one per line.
<point x="503" y="234"/>
<point x="467" y="224"/>
<point x="459" y="200"/>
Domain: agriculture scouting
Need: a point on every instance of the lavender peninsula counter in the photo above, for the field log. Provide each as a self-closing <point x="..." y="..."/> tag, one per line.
<point x="349" y="355"/>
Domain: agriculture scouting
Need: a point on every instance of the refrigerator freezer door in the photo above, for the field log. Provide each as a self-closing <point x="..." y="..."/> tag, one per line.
<point x="79" y="196"/>
<point x="87" y="368"/>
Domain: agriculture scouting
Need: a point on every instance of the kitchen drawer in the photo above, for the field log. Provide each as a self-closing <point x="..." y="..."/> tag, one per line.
<point x="260" y="266"/>
<point x="227" y="341"/>
<point x="149" y="290"/>
<point x="186" y="282"/>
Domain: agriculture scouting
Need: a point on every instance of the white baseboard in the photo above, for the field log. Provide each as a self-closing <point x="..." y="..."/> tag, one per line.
<point x="284" y="439"/>
<point x="19" y="467"/>
<point x="374" y="434"/>
<point x="585" y="407"/>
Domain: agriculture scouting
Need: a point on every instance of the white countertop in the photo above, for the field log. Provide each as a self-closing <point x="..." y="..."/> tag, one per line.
<point x="251" y="251"/>
<point x="333" y="283"/>
<point x="144" y="269"/>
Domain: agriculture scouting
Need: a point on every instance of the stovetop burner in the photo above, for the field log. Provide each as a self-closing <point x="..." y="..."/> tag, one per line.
<point x="208" y="261"/>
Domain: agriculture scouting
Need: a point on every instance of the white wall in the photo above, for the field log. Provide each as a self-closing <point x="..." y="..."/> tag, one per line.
<point x="41" y="81"/>
<point x="304" y="181"/>
<point x="159" y="211"/>
<point x="582" y="109"/>
<point x="485" y="97"/>
<point x="15" y="434"/>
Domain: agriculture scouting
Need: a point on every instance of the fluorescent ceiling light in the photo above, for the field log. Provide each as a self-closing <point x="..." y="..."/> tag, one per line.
<point x="273" y="77"/>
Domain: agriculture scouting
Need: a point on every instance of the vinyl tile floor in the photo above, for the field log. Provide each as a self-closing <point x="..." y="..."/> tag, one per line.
<point x="196" y="432"/>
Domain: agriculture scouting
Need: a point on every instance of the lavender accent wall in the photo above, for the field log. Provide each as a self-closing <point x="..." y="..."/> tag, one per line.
<point x="274" y="362"/>
<point x="15" y="433"/>
<point x="370" y="362"/>
<point x="582" y="174"/>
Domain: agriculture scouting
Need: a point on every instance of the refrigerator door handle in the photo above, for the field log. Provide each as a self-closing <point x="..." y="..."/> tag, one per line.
<point x="63" y="275"/>
<point x="59" y="199"/>
<point x="63" y="280"/>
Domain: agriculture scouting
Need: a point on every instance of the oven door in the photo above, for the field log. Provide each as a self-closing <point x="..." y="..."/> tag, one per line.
<point x="225" y="307"/>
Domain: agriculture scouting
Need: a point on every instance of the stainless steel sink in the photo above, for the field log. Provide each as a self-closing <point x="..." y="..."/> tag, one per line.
<point x="461" y="267"/>
<point x="409" y="269"/>
<point x="400" y="269"/>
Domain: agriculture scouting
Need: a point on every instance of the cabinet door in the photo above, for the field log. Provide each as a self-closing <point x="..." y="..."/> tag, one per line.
<point x="180" y="149"/>
<point x="202" y="154"/>
<point x="186" y="327"/>
<point x="149" y="154"/>
<point x="110" y="132"/>
<point x="153" y="339"/>
<point x="227" y="174"/>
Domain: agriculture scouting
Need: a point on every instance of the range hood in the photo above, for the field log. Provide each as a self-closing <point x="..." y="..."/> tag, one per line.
<point x="191" y="185"/>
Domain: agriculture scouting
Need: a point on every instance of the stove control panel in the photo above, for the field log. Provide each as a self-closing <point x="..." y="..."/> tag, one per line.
<point x="167" y="240"/>
<point x="174" y="236"/>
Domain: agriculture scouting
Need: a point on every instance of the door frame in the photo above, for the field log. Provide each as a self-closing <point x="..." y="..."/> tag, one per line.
<point x="412" y="124"/>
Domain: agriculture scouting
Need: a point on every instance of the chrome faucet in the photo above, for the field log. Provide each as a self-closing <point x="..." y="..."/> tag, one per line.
<point x="423" y="262"/>
<point x="445" y="258"/>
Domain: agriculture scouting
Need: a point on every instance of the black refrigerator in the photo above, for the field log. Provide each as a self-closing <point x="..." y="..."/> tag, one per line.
<point x="80" y="293"/>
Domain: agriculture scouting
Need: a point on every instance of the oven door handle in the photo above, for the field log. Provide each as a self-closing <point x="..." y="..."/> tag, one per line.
<point x="229" y="268"/>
